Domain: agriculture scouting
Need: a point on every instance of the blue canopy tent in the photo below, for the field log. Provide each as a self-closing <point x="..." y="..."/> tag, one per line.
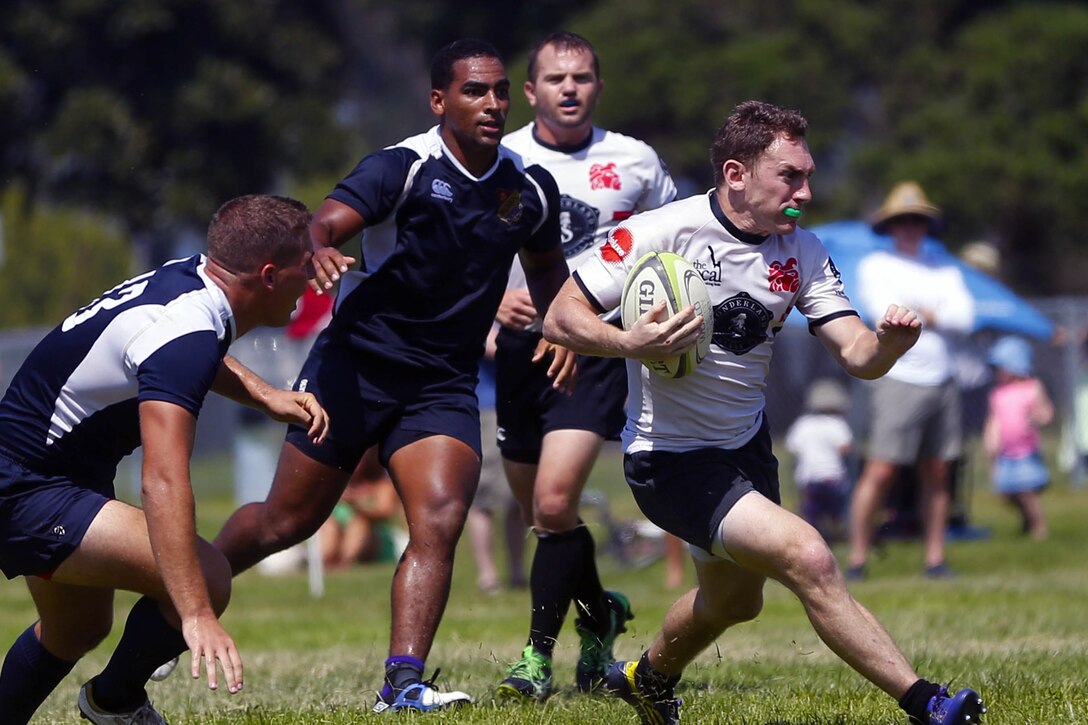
<point x="996" y="306"/>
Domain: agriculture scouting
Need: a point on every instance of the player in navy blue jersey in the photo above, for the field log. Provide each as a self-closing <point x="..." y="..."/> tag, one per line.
<point x="445" y="213"/>
<point x="132" y="368"/>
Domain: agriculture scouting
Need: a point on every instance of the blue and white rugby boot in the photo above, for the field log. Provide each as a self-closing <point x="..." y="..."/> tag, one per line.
<point x="965" y="706"/>
<point x="421" y="697"/>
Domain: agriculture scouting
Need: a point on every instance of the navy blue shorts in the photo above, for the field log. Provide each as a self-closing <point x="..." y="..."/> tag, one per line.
<point x="371" y="401"/>
<point x="42" y="518"/>
<point x="690" y="492"/>
<point x="528" y="406"/>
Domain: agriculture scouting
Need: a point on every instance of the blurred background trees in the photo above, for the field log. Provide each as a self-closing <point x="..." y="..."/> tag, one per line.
<point x="134" y="119"/>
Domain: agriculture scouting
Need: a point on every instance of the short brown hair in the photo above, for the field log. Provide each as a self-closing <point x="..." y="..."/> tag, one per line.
<point x="563" y="40"/>
<point x="749" y="130"/>
<point x="249" y="231"/>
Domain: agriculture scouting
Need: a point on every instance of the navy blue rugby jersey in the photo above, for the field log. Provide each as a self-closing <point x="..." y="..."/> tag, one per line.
<point x="72" y="407"/>
<point x="437" y="250"/>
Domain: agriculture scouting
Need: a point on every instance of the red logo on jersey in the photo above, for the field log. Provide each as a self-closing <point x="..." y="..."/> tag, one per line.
<point x="618" y="245"/>
<point x="604" y="176"/>
<point x="784" y="277"/>
<point x="619" y="216"/>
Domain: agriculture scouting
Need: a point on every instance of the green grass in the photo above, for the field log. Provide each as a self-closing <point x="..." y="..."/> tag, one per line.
<point x="1012" y="625"/>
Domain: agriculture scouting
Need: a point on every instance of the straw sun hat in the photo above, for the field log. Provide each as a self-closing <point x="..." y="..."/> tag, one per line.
<point x="905" y="199"/>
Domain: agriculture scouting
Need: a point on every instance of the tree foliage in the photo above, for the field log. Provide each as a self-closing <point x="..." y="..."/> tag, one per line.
<point x="984" y="103"/>
<point x="57" y="260"/>
<point x="154" y="112"/>
<point x="157" y="112"/>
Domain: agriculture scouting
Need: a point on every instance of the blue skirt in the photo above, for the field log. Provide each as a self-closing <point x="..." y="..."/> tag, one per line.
<point x="1016" y="475"/>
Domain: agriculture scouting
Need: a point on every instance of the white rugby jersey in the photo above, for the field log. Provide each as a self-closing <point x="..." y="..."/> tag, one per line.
<point x="601" y="183"/>
<point x="754" y="283"/>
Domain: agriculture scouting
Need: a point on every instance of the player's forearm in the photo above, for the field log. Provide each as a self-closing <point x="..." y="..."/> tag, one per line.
<point x="576" y="326"/>
<point x="240" y="384"/>
<point x="171" y="525"/>
<point x="867" y="358"/>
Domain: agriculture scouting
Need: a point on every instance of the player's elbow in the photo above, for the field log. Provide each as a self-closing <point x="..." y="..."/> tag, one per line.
<point x="554" y="324"/>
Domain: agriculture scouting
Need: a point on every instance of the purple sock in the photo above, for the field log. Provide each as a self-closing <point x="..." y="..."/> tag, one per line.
<point x="400" y="672"/>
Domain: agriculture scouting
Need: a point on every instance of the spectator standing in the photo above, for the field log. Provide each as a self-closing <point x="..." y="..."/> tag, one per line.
<point x="915" y="409"/>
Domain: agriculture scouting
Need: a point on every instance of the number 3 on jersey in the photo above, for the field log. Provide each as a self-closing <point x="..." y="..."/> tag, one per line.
<point x="116" y="297"/>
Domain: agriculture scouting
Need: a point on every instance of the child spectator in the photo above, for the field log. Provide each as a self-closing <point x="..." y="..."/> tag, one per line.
<point x="1019" y="407"/>
<point x="364" y="524"/>
<point x="820" y="440"/>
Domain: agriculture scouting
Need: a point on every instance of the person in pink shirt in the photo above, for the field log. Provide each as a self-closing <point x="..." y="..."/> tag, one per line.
<point x="1019" y="407"/>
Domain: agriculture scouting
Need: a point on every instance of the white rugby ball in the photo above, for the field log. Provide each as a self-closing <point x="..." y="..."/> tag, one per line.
<point x="668" y="276"/>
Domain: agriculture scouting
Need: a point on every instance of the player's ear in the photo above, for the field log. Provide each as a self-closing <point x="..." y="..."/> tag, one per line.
<point x="733" y="174"/>
<point x="269" y="272"/>
<point x="530" y="93"/>
<point x="438" y="102"/>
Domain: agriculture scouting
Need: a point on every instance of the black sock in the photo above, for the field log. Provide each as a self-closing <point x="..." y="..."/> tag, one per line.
<point x="147" y="642"/>
<point x="29" y="674"/>
<point x="651" y="683"/>
<point x="589" y="597"/>
<point x="552" y="586"/>
<point x="916" y="698"/>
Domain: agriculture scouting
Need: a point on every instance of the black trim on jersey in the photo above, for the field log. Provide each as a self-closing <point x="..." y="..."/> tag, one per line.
<point x="746" y="237"/>
<point x="812" y="325"/>
<point x="563" y="148"/>
<point x="589" y="296"/>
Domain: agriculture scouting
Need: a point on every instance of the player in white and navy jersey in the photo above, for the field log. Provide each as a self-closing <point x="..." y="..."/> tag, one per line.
<point x="698" y="454"/>
<point x="132" y="368"/>
<point x="445" y="214"/>
<point x="549" y="441"/>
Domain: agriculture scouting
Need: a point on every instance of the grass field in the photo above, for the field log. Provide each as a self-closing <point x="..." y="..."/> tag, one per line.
<point x="1014" y="625"/>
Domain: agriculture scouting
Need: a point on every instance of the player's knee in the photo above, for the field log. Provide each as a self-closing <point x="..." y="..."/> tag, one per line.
<point x="441" y="523"/>
<point x="285" y="529"/>
<point x="555" y="522"/>
<point x="812" y="566"/>
<point x="724" y="612"/>
<point x="555" y="512"/>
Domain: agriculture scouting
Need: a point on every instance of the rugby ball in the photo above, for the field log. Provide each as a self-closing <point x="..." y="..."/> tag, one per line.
<point x="668" y="276"/>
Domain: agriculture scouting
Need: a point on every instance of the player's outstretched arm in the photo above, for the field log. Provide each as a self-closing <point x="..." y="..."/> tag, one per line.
<point x="237" y="382"/>
<point x="866" y="353"/>
<point x="167" y="431"/>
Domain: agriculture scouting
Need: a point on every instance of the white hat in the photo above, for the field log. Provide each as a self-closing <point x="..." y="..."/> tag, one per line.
<point x="827" y="396"/>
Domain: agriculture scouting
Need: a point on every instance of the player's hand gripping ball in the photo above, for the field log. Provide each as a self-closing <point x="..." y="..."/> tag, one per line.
<point x="668" y="276"/>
